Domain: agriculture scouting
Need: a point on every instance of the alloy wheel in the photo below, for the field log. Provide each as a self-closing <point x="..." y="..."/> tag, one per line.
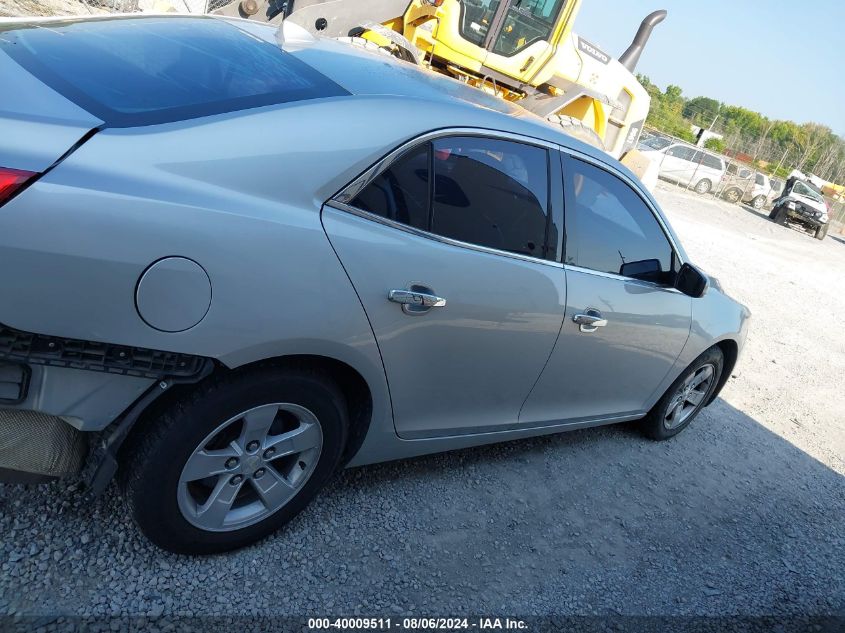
<point x="689" y="397"/>
<point x="249" y="467"/>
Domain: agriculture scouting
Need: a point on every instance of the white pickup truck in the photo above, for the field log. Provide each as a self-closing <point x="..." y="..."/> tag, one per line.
<point x="802" y="203"/>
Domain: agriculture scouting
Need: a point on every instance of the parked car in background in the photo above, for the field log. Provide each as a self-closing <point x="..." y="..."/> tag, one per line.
<point x="803" y="204"/>
<point x="763" y="192"/>
<point x="684" y="164"/>
<point x="737" y="183"/>
<point x="237" y="276"/>
<point x="742" y="183"/>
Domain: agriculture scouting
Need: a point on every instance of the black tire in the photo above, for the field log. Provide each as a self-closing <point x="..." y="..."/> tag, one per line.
<point x="576" y="129"/>
<point x="150" y="472"/>
<point x="703" y="186"/>
<point x="759" y="202"/>
<point x="780" y="216"/>
<point x="653" y="425"/>
<point x="821" y="232"/>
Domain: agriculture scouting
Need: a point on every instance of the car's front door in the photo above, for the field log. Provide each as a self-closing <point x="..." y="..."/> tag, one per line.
<point x="625" y="326"/>
<point x="452" y="250"/>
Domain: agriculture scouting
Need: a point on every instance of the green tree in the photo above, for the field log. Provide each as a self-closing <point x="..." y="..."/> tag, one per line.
<point x="701" y="110"/>
<point x="716" y="144"/>
<point x="784" y="145"/>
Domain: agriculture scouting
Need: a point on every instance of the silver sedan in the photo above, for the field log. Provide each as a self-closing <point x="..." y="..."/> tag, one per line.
<point x="234" y="261"/>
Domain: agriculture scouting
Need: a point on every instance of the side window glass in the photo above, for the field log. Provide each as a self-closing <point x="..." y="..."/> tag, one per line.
<point x="684" y="153"/>
<point x="615" y="232"/>
<point x="492" y="193"/>
<point x="400" y="193"/>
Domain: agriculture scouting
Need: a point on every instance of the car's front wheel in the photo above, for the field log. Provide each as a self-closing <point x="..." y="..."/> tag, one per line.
<point x="685" y="398"/>
<point x="758" y="202"/>
<point x="821" y="232"/>
<point x="235" y="460"/>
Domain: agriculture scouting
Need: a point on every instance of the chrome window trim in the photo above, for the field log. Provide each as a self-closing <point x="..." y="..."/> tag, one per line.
<point x="342" y="206"/>
<point x="601" y="273"/>
<point x="355" y="187"/>
<point x="341" y="199"/>
<point x="676" y="251"/>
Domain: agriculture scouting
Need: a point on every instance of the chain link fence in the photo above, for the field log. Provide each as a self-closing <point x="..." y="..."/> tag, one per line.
<point x="734" y="174"/>
<point x="149" y="6"/>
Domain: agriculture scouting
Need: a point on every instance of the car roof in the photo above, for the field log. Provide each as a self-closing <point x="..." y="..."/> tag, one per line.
<point x="365" y="73"/>
<point x="385" y="83"/>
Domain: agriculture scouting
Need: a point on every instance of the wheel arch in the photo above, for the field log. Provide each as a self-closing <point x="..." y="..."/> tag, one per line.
<point x="730" y="352"/>
<point x="355" y="388"/>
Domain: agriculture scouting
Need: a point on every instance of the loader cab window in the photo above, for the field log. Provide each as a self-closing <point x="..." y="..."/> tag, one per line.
<point x="476" y="18"/>
<point x="526" y="22"/>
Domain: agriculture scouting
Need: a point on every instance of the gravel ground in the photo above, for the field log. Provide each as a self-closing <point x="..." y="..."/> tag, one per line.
<point x="19" y="8"/>
<point x="742" y="514"/>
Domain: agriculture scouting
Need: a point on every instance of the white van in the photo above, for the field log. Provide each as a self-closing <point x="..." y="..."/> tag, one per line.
<point x="684" y="164"/>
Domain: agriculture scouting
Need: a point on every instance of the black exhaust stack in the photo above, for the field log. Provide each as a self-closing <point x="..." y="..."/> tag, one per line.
<point x="631" y="56"/>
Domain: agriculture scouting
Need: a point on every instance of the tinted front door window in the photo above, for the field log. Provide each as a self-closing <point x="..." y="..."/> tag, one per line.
<point x="614" y="231"/>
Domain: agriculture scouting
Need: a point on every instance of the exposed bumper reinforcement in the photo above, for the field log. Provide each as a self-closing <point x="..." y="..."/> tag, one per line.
<point x="39" y="349"/>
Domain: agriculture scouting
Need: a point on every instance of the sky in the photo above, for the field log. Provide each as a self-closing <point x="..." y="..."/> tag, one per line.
<point x="783" y="59"/>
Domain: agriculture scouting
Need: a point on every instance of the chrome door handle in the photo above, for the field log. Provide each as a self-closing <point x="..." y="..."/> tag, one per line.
<point x="415" y="301"/>
<point x="590" y="320"/>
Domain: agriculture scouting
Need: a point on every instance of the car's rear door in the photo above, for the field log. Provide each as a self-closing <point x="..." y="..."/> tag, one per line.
<point x="457" y="274"/>
<point x="625" y="326"/>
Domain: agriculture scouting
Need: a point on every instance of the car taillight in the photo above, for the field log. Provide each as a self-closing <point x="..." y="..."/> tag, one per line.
<point x="11" y="180"/>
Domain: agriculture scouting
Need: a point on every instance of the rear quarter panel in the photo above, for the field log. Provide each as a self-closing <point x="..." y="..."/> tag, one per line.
<point x="239" y="195"/>
<point x="37" y="124"/>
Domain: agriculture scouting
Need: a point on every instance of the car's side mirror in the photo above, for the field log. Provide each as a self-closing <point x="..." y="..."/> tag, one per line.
<point x="691" y="281"/>
<point x="644" y="269"/>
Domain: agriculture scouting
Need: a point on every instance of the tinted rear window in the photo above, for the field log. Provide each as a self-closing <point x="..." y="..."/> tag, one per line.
<point x="139" y="71"/>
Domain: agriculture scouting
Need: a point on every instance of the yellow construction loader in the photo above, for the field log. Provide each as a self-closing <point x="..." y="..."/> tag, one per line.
<point x="519" y="50"/>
